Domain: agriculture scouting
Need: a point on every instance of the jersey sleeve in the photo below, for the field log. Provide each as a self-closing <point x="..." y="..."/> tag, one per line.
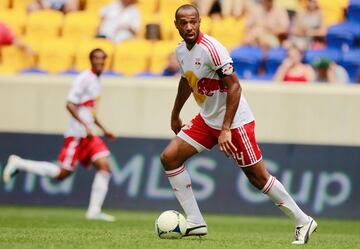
<point x="218" y="56"/>
<point x="76" y="90"/>
<point x="179" y="61"/>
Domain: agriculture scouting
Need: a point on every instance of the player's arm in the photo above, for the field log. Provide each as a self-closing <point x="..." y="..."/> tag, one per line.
<point x="182" y="95"/>
<point x="74" y="111"/>
<point x="231" y="81"/>
<point x="107" y="133"/>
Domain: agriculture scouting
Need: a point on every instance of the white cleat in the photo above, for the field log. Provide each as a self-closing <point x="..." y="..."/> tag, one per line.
<point x="303" y="233"/>
<point x="10" y="169"/>
<point x="100" y="216"/>
<point x="196" y="229"/>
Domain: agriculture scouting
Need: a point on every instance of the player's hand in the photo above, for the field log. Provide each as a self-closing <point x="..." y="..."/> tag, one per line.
<point x="109" y="135"/>
<point x="225" y="143"/>
<point x="176" y="124"/>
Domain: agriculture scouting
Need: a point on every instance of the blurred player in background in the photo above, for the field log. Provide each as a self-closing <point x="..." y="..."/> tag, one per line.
<point x="81" y="145"/>
<point x="225" y="119"/>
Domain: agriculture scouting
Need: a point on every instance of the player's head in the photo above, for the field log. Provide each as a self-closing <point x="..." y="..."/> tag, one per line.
<point x="187" y="22"/>
<point x="97" y="59"/>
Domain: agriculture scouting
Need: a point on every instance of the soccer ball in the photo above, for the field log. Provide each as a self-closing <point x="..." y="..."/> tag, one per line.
<point x="170" y="225"/>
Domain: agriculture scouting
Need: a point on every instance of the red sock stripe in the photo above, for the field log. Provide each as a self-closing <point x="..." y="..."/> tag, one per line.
<point x="270" y="185"/>
<point x="179" y="171"/>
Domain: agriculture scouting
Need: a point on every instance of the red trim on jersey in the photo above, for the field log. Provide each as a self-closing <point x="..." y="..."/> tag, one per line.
<point x="88" y="103"/>
<point x="212" y="51"/>
<point x="216" y="52"/>
<point x="201" y="35"/>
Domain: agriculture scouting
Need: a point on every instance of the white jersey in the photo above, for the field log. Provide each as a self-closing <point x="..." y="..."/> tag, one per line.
<point x="84" y="92"/>
<point x="199" y="66"/>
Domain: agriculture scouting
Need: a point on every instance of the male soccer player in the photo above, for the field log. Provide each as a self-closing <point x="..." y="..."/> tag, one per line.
<point x="81" y="145"/>
<point x="225" y="119"/>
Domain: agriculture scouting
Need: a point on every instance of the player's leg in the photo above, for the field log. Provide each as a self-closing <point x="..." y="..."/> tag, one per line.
<point x="42" y="168"/>
<point x="250" y="160"/>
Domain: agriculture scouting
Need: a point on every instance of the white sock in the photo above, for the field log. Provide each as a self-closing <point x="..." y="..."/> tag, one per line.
<point x="99" y="190"/>
<point x="181" y="183"/>
<point x="38" y="167"/>
<point x="277" y="193"/>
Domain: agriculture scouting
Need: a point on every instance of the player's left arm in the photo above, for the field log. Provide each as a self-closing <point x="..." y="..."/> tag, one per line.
<point x="231" y="82"/>
<point x="110" y="135"/>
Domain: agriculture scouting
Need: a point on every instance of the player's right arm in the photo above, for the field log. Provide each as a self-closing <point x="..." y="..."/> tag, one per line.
<point x="182" y="95"/>
<point x="74" y="111"/>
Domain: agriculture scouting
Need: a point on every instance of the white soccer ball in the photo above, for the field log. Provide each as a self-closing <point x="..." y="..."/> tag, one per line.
<point x="170" y="225"/>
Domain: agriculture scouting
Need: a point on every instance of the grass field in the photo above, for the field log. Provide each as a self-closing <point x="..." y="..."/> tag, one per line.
<point x="30" y="227"/>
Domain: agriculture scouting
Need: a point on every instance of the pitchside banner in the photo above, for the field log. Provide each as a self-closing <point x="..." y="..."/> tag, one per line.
<point x="324" y="180"/>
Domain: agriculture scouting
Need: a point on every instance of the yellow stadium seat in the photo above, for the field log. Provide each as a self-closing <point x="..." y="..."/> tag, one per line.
<point x="159" y="55"/>
<point x="55" y="60"/>
<point x="15" y="19"/>
<point x="168" y="29"/>
<point x="333" y="10"/>
<point x="80" y="25"/>
<point x="14" y="59"/>
<point x="148" y="7"/>
<point x="205" y="25"/>
<point x="168" y="7"/>
<point x="4" y="5"/>
<point x="145" y="20"/>
<point x="44" y="23"/>
<point x="132" y="57"/>
<point x="21" y="4"/>
<point x="96" y="5"/>
<point x="82" y="54"/>
<point x="229" y="31"/>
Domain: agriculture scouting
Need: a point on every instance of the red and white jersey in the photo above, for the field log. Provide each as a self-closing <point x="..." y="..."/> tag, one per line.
<point x="84" y="92"/>
<point x="199" y="66"/>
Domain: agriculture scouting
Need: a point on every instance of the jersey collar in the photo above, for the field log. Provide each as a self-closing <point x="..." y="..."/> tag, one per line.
<point x="201" y="35"/>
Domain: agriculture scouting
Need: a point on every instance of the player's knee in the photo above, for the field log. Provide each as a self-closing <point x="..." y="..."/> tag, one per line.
<point x="63" y="175"/>
<point x="167" y="160"/>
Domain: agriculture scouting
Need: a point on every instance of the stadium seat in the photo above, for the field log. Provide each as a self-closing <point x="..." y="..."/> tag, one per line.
<point x="21" y="4"/>
<point x="96" y="5"/>
<point x="132" y="57"/>
<point x="351" y="62"/>
<point x="14" y="59"/>
<point x="84" y="48"/>
<point x="44" y="23"/>
<point x="168" y="7"/>
<point x="331" y="54"/>
<point x="246" y="61"/>
<point x="55" y="60"/>
<point x="80" y="24"/>
<point x="274" y="58"/>
<point x="15" y="19"/>
<point x="4" y="5"/>
<point x="159" y="55"/>
<point x="229" y="31"/>
<point x="147" y="7"/>
<point x="353" y="13"/>
<point x="342" y="36"/>
<point x="333" y="10"/>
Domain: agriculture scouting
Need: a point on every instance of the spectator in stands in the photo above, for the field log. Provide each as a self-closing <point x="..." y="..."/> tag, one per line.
<point x="309" y="26"/>
<point x="293" y="70"/>
<point x="235" y="8"/>
<point x="291" y="6"/>
<point x="61" y="5"/>
<point x="7" y="37"/>
<point x="329" y="72"/>
<point x="267" y="26"/>
<point x="120" y="20"/>
<point x="172" y="68"/>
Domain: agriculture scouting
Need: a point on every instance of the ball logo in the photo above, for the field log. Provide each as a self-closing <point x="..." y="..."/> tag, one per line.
<point x="197" y="63"/>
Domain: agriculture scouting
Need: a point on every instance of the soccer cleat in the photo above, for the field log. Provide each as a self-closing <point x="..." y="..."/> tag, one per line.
<point x="196" y="229"/>
<point x="100" y="216"/>
<point x="10" y="169"/>
<point x="303" y="233"/>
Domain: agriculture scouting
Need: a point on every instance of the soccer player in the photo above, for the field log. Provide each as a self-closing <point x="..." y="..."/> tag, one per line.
<point x="81" y="145"/>
<point x="225" y="119"/>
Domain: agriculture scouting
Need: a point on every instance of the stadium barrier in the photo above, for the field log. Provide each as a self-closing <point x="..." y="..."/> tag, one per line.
<point x="308" y="136"/>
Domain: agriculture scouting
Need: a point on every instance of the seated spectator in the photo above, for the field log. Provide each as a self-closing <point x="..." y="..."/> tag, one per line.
<point x="120" y="20"/>
<point x="309" y="25"/>
<point x="172" y="68"/>
<point x="293" y="70"/>
<point x="267" y="25"/>
<point x="8" y="38"/>
<point x="329" y="72"/>
<point x="291" y="6"/>
<point x="60" y="5"/>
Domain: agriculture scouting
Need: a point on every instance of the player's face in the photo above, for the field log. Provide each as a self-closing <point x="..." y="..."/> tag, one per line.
<point x="98" y="62"/>
<point x="188" y="25"/>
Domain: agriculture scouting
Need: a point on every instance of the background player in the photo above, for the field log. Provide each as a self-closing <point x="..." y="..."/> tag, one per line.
<point x="225" y="119"/>
<point x="81" y="145"/>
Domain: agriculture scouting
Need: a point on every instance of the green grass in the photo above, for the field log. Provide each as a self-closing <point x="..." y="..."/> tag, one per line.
<point x="30" y="227"/>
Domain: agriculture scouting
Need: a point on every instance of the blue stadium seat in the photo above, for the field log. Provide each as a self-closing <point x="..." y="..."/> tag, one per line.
<point x="353" y="13"/>
<point x="351" y="62"/>
<point x="331" y="54"/>
<point x="274" y="59"/>
<point x="343" y="36"/>
<point x="246" y="61"/>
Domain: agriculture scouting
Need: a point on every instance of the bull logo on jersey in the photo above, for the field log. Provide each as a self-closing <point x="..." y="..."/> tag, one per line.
<point x="197" y="63"/>
<point x="228" y="69"/>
